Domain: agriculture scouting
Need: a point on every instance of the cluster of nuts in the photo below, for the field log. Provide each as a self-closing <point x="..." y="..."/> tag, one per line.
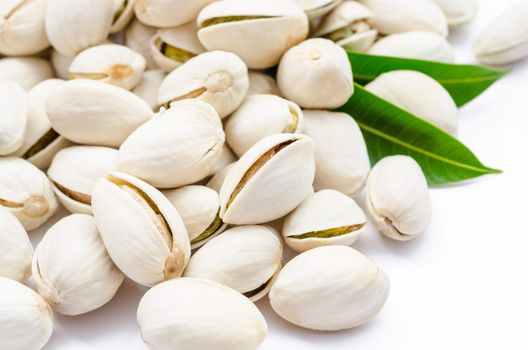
<point x="186" y="167"/>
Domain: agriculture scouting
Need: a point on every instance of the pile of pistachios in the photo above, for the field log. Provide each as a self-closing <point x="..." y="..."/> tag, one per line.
<point x="193" y="141"/>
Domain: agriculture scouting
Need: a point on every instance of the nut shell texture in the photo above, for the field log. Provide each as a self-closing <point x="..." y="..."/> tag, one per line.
<point x="16" y="251"/>
<point x="458" y="12"/>
<point x="14" y="111"/>
<point x="26" y="71"/>
<point x="168" y="13"/>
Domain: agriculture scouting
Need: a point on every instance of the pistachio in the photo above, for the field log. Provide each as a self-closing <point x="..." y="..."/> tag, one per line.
<point x="61" y="64"/>
<point x="15" y="248"/>
<point x="262" y="84"/>
<point x="123" y="14"/>
<point x="137" y="36"/>
<point x="26" y="71"/>
<point x="14" y="111"/>
<point x="164" y="14"/>
<point x="458" y="12"/>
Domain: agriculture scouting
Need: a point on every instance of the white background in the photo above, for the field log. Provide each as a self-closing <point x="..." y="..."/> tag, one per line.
<point x="463" y="285"/>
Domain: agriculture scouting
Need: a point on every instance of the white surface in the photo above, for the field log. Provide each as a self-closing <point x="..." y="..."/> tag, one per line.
<point x="463" y="285"/>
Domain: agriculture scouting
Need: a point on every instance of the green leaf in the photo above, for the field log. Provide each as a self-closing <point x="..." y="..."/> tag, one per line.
<point x="464" y="82"/>
<point x="389" y="130"/>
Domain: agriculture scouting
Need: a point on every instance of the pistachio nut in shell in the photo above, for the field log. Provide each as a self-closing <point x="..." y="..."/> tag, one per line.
<point x="341" y="157"/>
<point x="177" y="147"/>
<point x="329" y="288"/>
<point x="16" y="251"/>
<point x="110" y="63"/>
<point x="398" y="198"/>
<point x="148" y="87"/>
<point x="95" y="113"/>
<point x="199" y="208"/>
<point x="262" y="83"/>
<point x="418" y="45"/>
<point x="61" y="64"/>
<point x="350" y="26"/>
<point x="505" y="39"/>
<point x="74" y="172"/>
<point x="137" y="37"/>
<point x="420" y="95"/>
<point x="258" y="31"/>
<point x="41" y="142"/>
<point x="172" y="47"/>
<point x="327" y="217"/>
<point x="318" y="8"/>
<point x="22" y="29"/>
<point x="260" y="116"/>
<point x="164" y="14"/>
<point x="270" y="180"/>
<point x="123" y="14"/>
<point x="407" y="15"/>
<point x="140" y="228"/>
<point x="316" y="74"/>
<point x="26" y="321"/>
<point x="26" y="192"/>
<point x="218" y="178"/>
<point x="73" y="26"/>
<point x="218" y="78"/>
<point x="197" y="314"/>
<point x="26" y="71"/>
<point x="245" y="258"/>
<point x="14" y="111"/>
<point x="458" y="12"/>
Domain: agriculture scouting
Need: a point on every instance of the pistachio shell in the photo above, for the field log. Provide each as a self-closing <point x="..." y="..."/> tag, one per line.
<point x="398" y="198"/>
<point x="260" y="116"/>
<point x="269" y="180"/>
<point x="419" y="94"/>
<point x="14" y="112"/>
<point x="218" y="179"/>
<point x="197" y="314"/>
<point x="177" y="147"/>
<point x="140" y="228"/>
<point x="244" y="258"/>
<point x="123" y="14"/>
<point x="325" y="218"/>
<point x="341" y="157"/>
<point x="163" y="13"/>
<point x="148" y="87"/>
<point x="261" y="83"/>
<point x="72" y="269"/>
<point x="113" y="64"/>
<point x="329" y="289"/>
<point x="74" y="172"/>
<point x="26" y="321"/>
<point x="318" y="8"/>
<point x="199" y="208"/>
<point x="61" y="64"/>
<point x="417" y="45"/>
<point x="26" y="71"/>
<point x="227" y="157"/>
<point x="316" y="74"/>
<point x="92" y="112"/>
<point x="26" y="192"/>
<point x="258" y="31"/>
<point x="137" y="37"/>
<point x="458" y="12"/>
<point x="218" y="78"/>
<point x="22" y="27"/>
<point x="15" y="248"/>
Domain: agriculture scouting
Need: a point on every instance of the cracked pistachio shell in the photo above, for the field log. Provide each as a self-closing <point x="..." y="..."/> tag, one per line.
<point x="41" y="142"/>
<point x="199" y="208"/>
<point x="260" y="116"/>
<point x="14" y="112"/>
<point x="458" y="12"/>
<point x="73" y="26"/>
<point x="168" y="13"/>
<point x="74" y="172"/>
<point x="148" y="87"/>
<point x="318" y="8"/>
<point x="137" y="36"/>
<point x="420" y="95"/>
<point x="218" y="78"/>
<point x="177" y="147"/>
<point x="397" y="16"/>
<point x="26" y="71"/>
<point x="26" y="192"/>
<point x="261" y="83"/>
<point x="258" y="31"/>
<point x="245" y="258"/>
<point x="218" y="178"/>
<point x="270" y="180"/>
<point x="316" y="74"/>
<point x="22" y="27"/>
<point x="61" y="64"/>
<point x="350" y="26"/>
<point x="341" y="157"/>
<point x="427" y="46"/>
<point x="197" y="314"/>
<point x="112" y="64"/>
<point x="172" y="47"/>
<point x="398" y="198"/>
<point x="95" y="113"/>
<point x="329" y="289"/>
<point x="72" y="269"/>
<point x="26" y="321"/>
<point x="141" y="229"/>
<point x="15" y="248"/>
<point x="505" y="39"/>
<point x="327" y="217"/>
<point x="123" y="14"/>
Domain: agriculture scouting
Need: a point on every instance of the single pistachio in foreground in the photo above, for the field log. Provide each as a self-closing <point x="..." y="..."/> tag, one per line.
<point x="16" y="251"/>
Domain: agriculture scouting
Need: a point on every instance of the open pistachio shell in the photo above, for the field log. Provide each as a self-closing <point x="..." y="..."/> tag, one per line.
<point x="16" y="251"/>
<point x="164" y="14"/>
<point x="137" y="36"/>
<point x="26" y="192"/>
<point x="26" y="71"/>
<point x="123" y="14"/>
<point x="141" y="229"/>
<point x="270" y="180"/>
<point x="14" y="112"/>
